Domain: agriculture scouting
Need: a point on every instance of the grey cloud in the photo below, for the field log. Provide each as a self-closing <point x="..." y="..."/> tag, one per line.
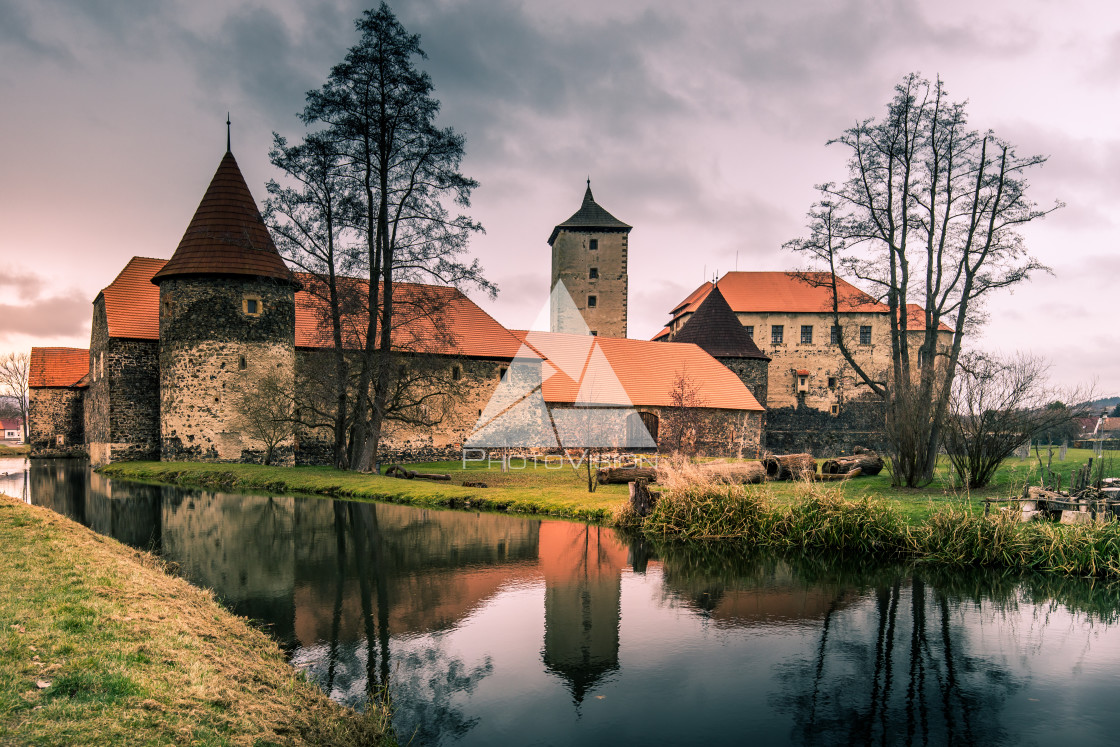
<point x="58" y="316"/>
<point x="26" y="285"/>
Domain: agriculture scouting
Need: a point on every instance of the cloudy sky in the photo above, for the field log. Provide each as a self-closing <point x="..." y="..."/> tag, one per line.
<point x="704" y="127"/>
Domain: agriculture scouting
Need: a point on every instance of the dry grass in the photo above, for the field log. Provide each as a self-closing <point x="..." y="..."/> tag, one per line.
<point x="100" y="645"/>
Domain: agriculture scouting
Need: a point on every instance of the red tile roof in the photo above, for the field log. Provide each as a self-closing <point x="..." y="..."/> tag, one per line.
<point x="61" y="367"/>
<point x="753" y="292"/>
<point x="637" y="372"/>
<point x="916" y="319"/>
<point x="226" y="236"/>
<point x="716" y="329"/>
<point x="11" y="424"/>
<point x="432" y="318"/>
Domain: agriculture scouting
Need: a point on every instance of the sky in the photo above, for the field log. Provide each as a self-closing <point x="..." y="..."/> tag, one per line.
<point x="702" y="125"/>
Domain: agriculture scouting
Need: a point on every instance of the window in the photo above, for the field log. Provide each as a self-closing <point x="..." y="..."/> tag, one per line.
<point x="592" y="301"/>
<point x="456" y="373"/>
<point x="241" y="363"/>
<point x="831" y="382"/>
<point x="776" y="333"/>
<point x="834" y="338"/>
<point x="865" y="334"/>
<point x="750" y="330"/>
<point x="593" y="244"/>
<point x="252" y="306"/>
<point x="501" y="374"/>
<point x="593" y="273"/>
<point x="921" y="357"/>
<point x="835" y="409"/>
<point x="101" y="365"/>
<point x="806" y="334"/>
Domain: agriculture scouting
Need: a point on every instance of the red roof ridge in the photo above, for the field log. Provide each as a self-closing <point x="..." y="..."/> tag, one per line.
<point x="57" y="367"/>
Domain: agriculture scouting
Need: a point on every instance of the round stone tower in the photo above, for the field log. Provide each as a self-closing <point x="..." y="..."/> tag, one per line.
<point x="226" y="332"/>
<point x="589" y="258"/>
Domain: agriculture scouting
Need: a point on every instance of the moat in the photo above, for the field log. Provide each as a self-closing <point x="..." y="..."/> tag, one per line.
<point x="491" y="628"/>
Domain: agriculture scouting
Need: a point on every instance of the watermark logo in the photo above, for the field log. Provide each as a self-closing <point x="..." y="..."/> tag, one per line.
<point x="560" y="392"/>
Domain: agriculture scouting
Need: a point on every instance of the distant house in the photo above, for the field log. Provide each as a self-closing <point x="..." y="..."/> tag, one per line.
<point x="11" y="431"/>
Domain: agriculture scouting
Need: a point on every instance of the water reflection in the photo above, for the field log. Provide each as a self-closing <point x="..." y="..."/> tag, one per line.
<point x="489" y="628"/>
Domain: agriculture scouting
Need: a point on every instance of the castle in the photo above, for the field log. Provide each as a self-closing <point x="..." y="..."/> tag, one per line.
<point x="176" y="344"/>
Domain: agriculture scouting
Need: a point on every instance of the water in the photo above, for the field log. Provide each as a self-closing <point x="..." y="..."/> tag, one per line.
<point x="496" y="629"/>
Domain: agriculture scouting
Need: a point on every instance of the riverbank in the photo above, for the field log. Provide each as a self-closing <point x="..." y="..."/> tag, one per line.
<point x="99" y="644"/>
<point x="820" y="518"/>
<point x="540" y="491"/>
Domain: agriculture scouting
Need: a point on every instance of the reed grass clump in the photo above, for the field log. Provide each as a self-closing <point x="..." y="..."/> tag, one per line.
<point x="821" y="518"/>
<point x="961" y="537"/>
<point x="710" y="512"/>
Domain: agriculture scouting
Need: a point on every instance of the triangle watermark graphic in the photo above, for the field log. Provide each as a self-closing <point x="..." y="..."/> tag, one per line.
<point x="560" y="391"/>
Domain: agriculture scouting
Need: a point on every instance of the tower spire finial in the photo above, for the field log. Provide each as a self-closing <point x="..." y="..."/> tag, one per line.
<point x="228" y="149"/>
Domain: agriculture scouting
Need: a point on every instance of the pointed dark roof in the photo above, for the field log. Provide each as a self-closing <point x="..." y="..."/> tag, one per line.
<point x="715" y="329"/>
<point x="590" y="217"/>
<point x="227" y="236"/>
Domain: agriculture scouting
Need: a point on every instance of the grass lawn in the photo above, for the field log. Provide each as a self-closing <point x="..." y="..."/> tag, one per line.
<point x="14" y="451"/>
<point x="99" y="645"/>
<point x="561" y="490"/>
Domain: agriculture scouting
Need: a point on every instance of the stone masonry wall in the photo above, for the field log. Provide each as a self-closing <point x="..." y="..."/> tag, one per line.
<point x="54" y="412"/>
<point x="753" y="372"/>
<point x="794" y="430"/>
<point x="719" y="433"/>
<point x="572" y="260"/>
<point x="467" y="397"/>
<point x="212" y="354"/>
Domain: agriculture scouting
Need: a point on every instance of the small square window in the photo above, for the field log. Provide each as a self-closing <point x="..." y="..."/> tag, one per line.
<point x="593" y="273"/>
<point x="831" y="382"/>
<point x="501" y="373"/>
<point x="592" y="302"/>
<point x="834" y="338"/>
<point x="593" y="244"/>
<point x="835" y="409"/>
<point x="806" y="334"/>
<point x="750" y="330"/>
<point x="241" y="362"/>
<point x="252" y="306"/>
<point x="776" y="333"/>
<point x="865" y="334"/>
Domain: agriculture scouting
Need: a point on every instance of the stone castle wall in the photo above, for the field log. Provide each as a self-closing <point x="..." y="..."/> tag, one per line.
<point x="55" y="412"/>
<point x="795" y="430"/>
<point x="572" y="262"/>
<point x="214" y="354"/>
<point x="753" y="372"/>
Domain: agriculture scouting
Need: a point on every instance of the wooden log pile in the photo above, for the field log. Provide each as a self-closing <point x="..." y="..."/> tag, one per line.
<point x="735" y="472"/>
<point x="619" y="475"/>
<point x="867" y="462"/>
<point x="790" y="466"/>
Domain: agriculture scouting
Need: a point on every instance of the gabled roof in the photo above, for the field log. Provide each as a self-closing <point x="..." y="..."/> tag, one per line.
<point x="433" y="318"/>
<point x="647" y="371"/>
<point x="132" y="301"/>
<point x="57" y="367"/>
<point x="916" y="319"/>
<point x="790" y="292"/>
<point x="716" y="330"/>
<point x="11" y="424"/>
<point x="590" y="217"/>
<point x="226" y="236"/>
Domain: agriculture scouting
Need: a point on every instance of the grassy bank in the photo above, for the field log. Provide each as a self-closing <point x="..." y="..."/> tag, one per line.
<point x="532" y="490"/>
<point x="14" y="451"/>
<point x="821" y="518"/>
<point x="99" y="645"/>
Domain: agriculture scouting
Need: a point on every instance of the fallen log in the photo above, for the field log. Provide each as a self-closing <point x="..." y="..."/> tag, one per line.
<point x="790" y="466"/>
<point x="869" y="463"/>
<point x="833" y="476"/>
<point x="395" y="470"/>
<point x="619" y="475"/>
<point x="735" y="472"/>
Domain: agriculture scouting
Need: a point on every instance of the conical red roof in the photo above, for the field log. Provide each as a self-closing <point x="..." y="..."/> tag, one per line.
<point x="226" y="236"/>
<point x="715" y="328"/>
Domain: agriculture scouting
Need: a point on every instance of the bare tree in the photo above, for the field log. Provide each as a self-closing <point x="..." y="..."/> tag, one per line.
<point x="377" y="110"/>
<point x="683" y="423"/>
<point x="14" y="369"/>
<point x="929" y="215"/>
<point x="267" y="413"/>
<point x="999" y="404"/>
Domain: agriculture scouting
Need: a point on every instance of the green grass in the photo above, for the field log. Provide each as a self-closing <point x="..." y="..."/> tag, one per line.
<point x="532" y="490"/>
<point x="99" y="645"/>
<point x="14" y="451"/>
